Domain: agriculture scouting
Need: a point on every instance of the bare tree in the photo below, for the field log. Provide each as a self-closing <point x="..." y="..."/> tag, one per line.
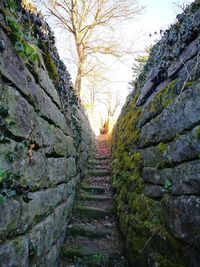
<point x="112" y="102"/>
<point x="92" y="23"/>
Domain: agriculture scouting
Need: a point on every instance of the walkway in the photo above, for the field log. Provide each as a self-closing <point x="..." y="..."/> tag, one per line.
<point x="93" y="238"/>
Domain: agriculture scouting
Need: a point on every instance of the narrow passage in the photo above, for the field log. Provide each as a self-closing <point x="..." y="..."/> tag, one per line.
<point x="93" y="238"/>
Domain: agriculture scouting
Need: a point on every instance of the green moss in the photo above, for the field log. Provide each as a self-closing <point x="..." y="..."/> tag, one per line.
<point x="11" y="5"/>
<point x="188" y="84"/>
<point x="163" y="98"/>
<point x="197" y="133"/>
<point x="138" y="215"/>
<point x="163" y="262"/>
<point x="18" y="246"/>
<point x="22" y="41"/>
<point x="49" y="63"/>
<point x="162" y="147"/>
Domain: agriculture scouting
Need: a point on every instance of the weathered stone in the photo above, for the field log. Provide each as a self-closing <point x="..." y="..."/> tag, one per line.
<point x="185" y="178"/>
<point x="80" y="115"/>
<point x="148" y="113"/>
<point x="197" y="18"/>
<point x="62" y="214"/>
<point x="93" y="189"/>
<point x="145" y="91"/>
<point x="85" y="196"/>
<point x="70" y="251"/>
<point x="153" y="191"/>
<point x="55" y="141"/>
<point x="189" y="73"/>
<point x="39" y="144"/>
<point x="156" y="150"/>
<point x="43" y="235"/>
<point x="60" y="169"/>
<point x="179" y="115"/>
<point x="190" y="51"/>
<point x="83" y="159"/>
<point x="21" y="119"/>
<point x="182" y="218"/>
<point x="83" y="146"/>
<point x="46" y="83"/>
<point x="32" y="211"/>
<point x="91" y="212"/>
<point x="90" y="231"/>
<point x="23" y="80"/>
<point x="99" y="172"/>
<point x="15" y="253"/>
<point x="24" y="122"/>
<point x="51" y="259"/>
<point x="185" y="147"/>
<point x="10" y="215"/>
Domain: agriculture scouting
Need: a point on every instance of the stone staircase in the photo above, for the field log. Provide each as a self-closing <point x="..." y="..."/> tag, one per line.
<point x="92" y="238"/>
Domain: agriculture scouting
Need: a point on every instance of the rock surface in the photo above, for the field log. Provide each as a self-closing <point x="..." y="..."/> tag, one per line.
<point x="156" y="149"/>
<point x="43" y="130"/>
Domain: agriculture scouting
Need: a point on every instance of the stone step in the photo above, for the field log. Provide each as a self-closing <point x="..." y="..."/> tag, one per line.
<point x="84" y="255"/>
<point x="106" y="157"/>
<point x="94" y="197"/>
<point x="93" y="189"/>
<point x="99" y="172"/>
<point x="91" y="212"/>
<point x="98" y="161"/>
<point x="98" y="166"/>
<point x="90" y="255"/>
<point x="88" y="230"/>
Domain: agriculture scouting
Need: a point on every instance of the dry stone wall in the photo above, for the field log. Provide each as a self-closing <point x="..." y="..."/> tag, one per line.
<point x="45" y="139"/>
<point x="156" y="148"/>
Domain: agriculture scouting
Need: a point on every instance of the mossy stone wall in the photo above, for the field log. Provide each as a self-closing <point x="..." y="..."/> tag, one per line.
<point x="45" y="140"/>
<point x="156" y="148"/>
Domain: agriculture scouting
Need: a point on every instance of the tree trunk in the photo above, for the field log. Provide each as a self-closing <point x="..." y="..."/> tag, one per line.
<point x="78" y="81"/>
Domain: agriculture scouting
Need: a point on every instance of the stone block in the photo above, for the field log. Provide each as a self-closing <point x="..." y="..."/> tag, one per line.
<point x="9" y="217"/>
<point x="45" y="82"/>
<point x="15" y="253"/>
<point x="42" y="203"/>
<point x="179" y="115"/>
<point x="12" y="68"/>
<point x="44" y="234"/>
<point x="60" y="169"/>
<point x="184" y="147"/>
<point x="182" y="218"/>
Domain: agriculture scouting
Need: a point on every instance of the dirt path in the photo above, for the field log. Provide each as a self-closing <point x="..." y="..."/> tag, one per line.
<point x="93" y="239"/>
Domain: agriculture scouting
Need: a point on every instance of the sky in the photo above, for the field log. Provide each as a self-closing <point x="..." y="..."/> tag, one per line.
<point x="158" y="14"/>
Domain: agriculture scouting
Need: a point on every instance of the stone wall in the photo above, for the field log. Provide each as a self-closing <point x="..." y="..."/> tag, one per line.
<point x="156" y="148"/>
<point x="45" y="139"/>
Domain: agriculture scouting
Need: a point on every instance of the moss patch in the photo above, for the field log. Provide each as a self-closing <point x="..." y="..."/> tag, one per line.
<point x="49" y="63"/>
<point x="162" y="147"/>
<point x="139" y="216"/>
<point x="163" y="97"/>
<point x="197" y="133"/>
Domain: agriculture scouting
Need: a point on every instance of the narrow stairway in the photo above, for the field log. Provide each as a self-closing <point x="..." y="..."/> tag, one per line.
<point x="93" y="238"/>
